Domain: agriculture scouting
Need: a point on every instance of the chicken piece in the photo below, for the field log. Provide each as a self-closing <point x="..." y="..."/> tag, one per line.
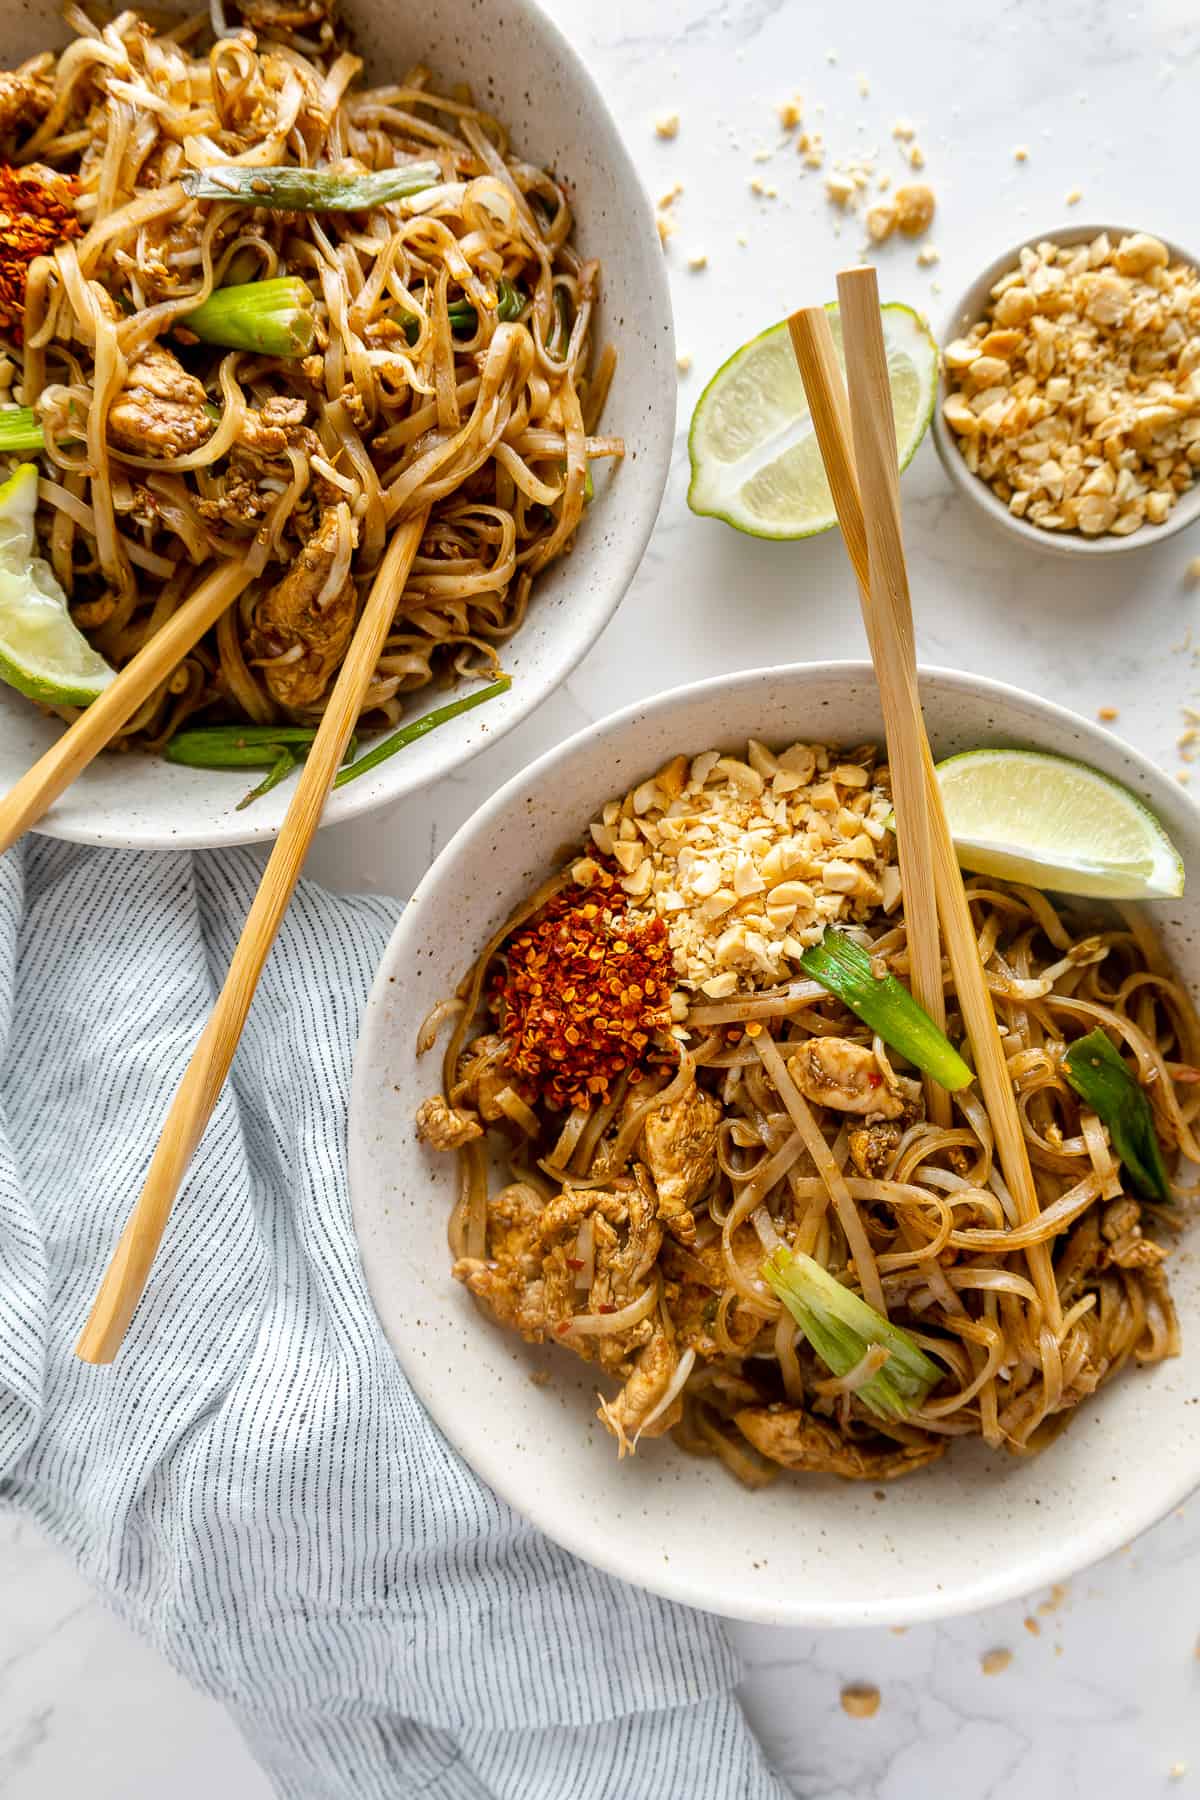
<point x="443" y="1127"/>
<point x="24" y="102"/>
<point x="696" y="1279"/>
<point x="836" y="1072"/>
<point x="160" y="410"/>
<point x="679" y="1143"/>
<point x="289" y="617"/>
<point x="628" y="1416"/>
<point x="276" y="426"/>
<point x="531" y="1275"/>
<point x="791" y="1437"/>
<point x="481" y="1076"/>
<point x="1121" y="1228"/>
<point x="285" y="15"/>
<point x="872" y="1147"/>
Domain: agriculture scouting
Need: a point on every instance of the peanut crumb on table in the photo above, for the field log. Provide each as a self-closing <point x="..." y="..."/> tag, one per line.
<point x="697" y="261"/>
<point x="1021" y="153"/>
<point x="916" y="156"/>
<point x="994" y="1662"/>
<point x="860" y="1700"/>
<point x="904" y="131"/>
<point x="1193" y="569"/>
<point x="1107" y="713"/>
<point x="1032" y="1627"/>
<point x="668" y="126"/>
<point x="790" y="113"/>
<point x="1074" y="196"/>
<point x="928" y="256"/>
<point x="683" y="362"/>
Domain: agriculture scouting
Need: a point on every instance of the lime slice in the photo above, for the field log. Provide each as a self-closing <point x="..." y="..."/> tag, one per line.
<point x="41" y="652"/>
<point x="755" y="459"/>
<point x="1054" y="823"/>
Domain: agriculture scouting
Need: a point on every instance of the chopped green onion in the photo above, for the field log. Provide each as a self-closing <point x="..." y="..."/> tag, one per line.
<point x="284" y="766"/>
<point x="1102" y="1078"/>
<point x="408" y="734"/>
<point x="843" y="967"/>
<point x="841" y="1328"/>
<point x="510" y="300"/>
<point x="19" y="431"/>
<point x="311" y="190"/>
<point x="236" y="746"/>
<point x="271" y="318"/>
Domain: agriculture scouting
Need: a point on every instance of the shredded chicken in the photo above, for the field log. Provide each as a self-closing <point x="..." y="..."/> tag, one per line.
<point x="793" y="1438"/>
<point x="836" y="1072"/>
<point x="626" y="1416"/>
<point x="24" y="101"/>
<point x="443" y="1127"/>
<point x="679" y="1143"/>
<point x="160" y="411"/>
<point x="289" y="616"/>
<point x="530" y="1280"/>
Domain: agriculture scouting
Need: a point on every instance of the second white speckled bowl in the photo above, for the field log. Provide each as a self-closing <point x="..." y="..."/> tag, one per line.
<point x="973" y="1530"/>
<point x="520" y="66"/>
<point x="963" y="315"/>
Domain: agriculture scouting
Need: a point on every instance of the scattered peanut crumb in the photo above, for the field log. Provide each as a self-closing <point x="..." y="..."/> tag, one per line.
<point x="1193" y="569"/>
<point x="885" y="181"/>
<point x="1058" y="1650"/>
<point x="840" y="189"/>
<point x="916" y="156"/>
<point x="790" y="113"/>
<point x="927" y="256"/>
<point x="1054" y="1600"/>
<point x="914" y="209"/>
<point x="1021" y="153"/>
<point x="1183" y="777"/>
<point x="759" y="187"/>
<point x="671" y="196"/>
<point x="1177" y="1771"/>
<point x="697" y="261"/>
<point x="1074" y="197"/>
<point x="1033" y="1628"/>
<point x="668" y="126"/>
<point x="665" y="229"/>
<point x="762" y="156"/>
<point x="904" y="131"/>
<point x="860" y="1700"/>
<point x="1107" y="713"/>
<point x="995" y="1661"/>
<point x="864" y="86"/>
<point x="683" y="362"/>
<point x="902" y="1631"/>
<point x="881" y="222"/>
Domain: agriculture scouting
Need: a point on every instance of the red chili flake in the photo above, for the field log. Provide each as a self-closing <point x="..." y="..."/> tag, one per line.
<point x="37" y="212"/>
<point x="578" y="1003"/>
<point x="874" y="1080"/>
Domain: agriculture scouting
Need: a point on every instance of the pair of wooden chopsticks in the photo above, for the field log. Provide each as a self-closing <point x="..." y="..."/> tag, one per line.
<point x="857" y="439"/>
<point x="204" y="1078"/>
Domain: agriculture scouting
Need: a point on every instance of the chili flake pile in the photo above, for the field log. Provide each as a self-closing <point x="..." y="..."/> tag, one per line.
<point x="37" y="212"/>
<point x="583" y="991"/>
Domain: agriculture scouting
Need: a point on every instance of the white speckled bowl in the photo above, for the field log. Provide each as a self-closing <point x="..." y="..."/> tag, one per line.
<point x="520" y="64"/>
<point x="962" y="316"/>
<point x="973" y="1530"/>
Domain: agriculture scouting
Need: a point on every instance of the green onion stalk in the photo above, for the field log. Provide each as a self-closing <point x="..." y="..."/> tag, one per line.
<point x="842" y="1328"/>
<point x="881" y="1002"/>
<point x="311" y="190"/>
<point x="1103" y="1080"/>
<point x="281" y="748"/>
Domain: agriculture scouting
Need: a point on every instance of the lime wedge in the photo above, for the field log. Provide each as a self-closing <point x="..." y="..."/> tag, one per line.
<point x="755" y="459"/>
<point x="42" y="653"/>
<point x="1054" y="823"/>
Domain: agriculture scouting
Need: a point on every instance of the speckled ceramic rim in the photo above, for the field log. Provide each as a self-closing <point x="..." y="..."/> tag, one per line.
<point x="1110" y="1516"/>
<point x="196" y="809"/>
<point x="960" y="319"/>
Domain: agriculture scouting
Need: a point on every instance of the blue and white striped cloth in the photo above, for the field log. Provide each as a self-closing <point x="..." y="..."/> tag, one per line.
<point x="252" y="1484"/>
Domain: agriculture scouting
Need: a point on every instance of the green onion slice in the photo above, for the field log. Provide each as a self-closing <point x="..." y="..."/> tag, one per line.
<point x="268" y="318"/>
<point x="310" y="190"/>
<point x="841" y="1328"/>
<point x="1102" y="1078"/>
<point x="844" y="967"/>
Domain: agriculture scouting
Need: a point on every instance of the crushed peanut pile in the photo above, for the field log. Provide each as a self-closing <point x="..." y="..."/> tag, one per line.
<point x="747" y="862"/>
<point x="1077" y="395"/>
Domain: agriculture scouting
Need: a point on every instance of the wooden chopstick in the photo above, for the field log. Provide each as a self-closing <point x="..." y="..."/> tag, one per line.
<point x="40" y="786"/>
<point x="890" y="613"/>
<point x="127" y="1272"/>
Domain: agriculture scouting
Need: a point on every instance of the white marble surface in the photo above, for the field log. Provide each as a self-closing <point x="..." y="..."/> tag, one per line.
<point x="1105" y="1701"/>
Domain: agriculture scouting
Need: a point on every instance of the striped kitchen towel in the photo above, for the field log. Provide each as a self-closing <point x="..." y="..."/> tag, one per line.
<point x="253" y="1485"/>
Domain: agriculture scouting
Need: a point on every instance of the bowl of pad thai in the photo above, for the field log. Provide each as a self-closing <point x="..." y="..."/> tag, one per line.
<point x="275" y="276"/>
<point x="689" y="1226"/>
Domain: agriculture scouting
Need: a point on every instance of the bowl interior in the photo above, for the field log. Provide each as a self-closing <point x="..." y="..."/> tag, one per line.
<point x="561" y="122"/>
<point x="976" y="1528"/>
<point x="969" y="308"/>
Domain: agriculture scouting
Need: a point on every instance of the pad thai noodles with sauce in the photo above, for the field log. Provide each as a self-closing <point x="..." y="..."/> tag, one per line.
<point x="694" y="1057"/>
<point x="252" y="310"/>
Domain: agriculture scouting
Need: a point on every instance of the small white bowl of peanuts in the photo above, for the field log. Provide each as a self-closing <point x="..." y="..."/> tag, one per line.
<point x="1069" y="410"/>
